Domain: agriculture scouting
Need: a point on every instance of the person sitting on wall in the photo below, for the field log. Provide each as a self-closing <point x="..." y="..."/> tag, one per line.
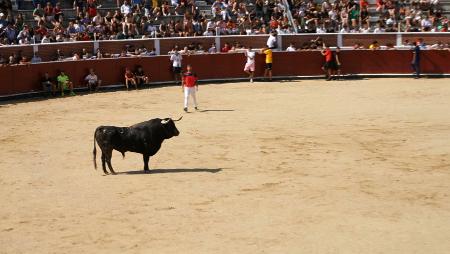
<point x="92" y="81"/>
<point x="374" y="45"/>
<point x="48" y="85"/>
<point x="141" y="78"/>
<point x="64" y="83"/>
<point x="130" y="78"/>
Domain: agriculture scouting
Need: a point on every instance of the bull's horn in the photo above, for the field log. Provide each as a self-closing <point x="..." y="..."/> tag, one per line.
<point x="178" y="119"/>
<point x="164" y="121"/>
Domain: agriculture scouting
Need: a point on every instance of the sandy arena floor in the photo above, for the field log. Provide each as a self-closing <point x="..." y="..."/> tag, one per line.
<point x="285" y="167"/>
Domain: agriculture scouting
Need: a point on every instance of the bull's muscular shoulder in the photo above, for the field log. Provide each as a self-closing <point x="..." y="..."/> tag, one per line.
<point x="148" y="124"/>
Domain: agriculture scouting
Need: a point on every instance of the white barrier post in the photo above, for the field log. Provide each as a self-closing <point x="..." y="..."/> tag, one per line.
<point x="157" y="47"/>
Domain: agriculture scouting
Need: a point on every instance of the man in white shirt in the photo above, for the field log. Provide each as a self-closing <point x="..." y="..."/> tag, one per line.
<point x="176" y="59"/>
<point x="125" y="9"/>
<point x="291" y="48"/>
<point x="92" y="81"/>
<point x="272" y="41"/>
<point x="250" y="64"/>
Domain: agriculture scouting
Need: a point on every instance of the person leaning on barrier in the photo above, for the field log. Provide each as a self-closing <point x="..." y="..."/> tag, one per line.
<point x="48" y="85"/>
<point x="64" y="83"/>
<point x="141" y="78"/>
<point x="92" y="81"/>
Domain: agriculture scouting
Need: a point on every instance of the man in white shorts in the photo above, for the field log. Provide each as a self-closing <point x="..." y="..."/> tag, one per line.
<point x="176" y="59"/>
<point x="250" y="64"/>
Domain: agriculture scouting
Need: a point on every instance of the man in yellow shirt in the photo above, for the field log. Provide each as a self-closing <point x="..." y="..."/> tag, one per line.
<point x="268" y="69"/>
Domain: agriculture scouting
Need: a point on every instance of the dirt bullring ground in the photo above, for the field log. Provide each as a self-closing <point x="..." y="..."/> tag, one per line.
<point x="285" y="167"/>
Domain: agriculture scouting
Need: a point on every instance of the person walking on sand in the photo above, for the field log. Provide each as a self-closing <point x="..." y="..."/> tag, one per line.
<point x="249" y="67"/>
<point x="190" y="87"/>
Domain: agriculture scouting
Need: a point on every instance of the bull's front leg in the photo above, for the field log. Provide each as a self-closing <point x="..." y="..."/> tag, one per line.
<point x="146" y="159"/>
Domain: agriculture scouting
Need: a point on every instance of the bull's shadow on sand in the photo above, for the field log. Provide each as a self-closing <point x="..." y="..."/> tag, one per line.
<point x="171" y="171"/>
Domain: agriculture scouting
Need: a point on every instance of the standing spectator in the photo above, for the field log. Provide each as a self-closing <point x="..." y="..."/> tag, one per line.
<point x="337" y="63"/>
<point x="328" y="66"/>
<point x="415" y="63"/>
<point x="269" y="60"/>
<point x="38" y="14"/>
<point x="64" y="83"/>
<point x="141" y="78"/>
<point x="92" y="81"/>
<point x="78" y="5"/>
<point x="249" y="67"/>
<point x="126" y="9"/>
<point x="190" y="87"/>
<point x="48" y="85"/>
<point x="130" y="78"/>
<point x="272" y="40"/>
<point x="176" y="59"/>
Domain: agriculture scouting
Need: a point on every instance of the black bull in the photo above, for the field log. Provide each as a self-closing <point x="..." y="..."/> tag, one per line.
<point x="144" y="138"/>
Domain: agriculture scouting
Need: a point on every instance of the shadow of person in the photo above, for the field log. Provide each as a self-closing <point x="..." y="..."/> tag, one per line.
<point x="216" y="110"/>
<point x="172" y="171"/>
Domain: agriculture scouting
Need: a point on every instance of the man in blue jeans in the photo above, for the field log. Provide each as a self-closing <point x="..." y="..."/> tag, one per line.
<point x="415" y="63"/>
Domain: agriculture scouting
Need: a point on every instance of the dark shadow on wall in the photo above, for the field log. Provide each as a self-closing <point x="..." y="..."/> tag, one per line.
<point x="172" y="171"/>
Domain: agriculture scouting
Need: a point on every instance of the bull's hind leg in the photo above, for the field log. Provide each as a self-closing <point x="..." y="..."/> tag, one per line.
<point x="108" y="156"/>
<point x="146" y="159"/>
<point x="104" y="164"/>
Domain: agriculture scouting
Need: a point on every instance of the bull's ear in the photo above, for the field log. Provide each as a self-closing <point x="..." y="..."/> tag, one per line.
<point x="164" y="121"/>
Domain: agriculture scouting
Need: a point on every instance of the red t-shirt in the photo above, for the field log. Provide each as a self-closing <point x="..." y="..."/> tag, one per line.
<point x="190" y="79"/>
<point x="225" y="49"/>
<point x="328" y="55"/>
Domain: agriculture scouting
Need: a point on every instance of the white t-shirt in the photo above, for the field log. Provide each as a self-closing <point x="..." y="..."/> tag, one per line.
<point x="91" y="78"/>
<point x="176" y="60"/>
<point x="271" y="41"/>
<point x="250" y="57"/>
<point x="290" y="49"/>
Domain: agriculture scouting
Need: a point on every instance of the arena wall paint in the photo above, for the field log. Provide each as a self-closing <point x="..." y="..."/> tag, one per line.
<point x="25" y="78"/>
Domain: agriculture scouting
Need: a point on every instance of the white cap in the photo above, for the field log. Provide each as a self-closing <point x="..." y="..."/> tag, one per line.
<point x="2" y="14"/>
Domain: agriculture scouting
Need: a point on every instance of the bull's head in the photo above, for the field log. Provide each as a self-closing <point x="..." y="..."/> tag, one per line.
<point x="169" y="127"/>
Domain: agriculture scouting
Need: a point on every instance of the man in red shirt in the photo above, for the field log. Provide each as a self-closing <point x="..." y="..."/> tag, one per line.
<point x="190" y="87"/>
<point x="328" y="66"/>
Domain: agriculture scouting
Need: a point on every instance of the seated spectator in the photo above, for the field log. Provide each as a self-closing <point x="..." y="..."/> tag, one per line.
<point x="212" y="49"/>
<point x="75" y="57"/>
<point x="374" y="45"/>
<point x="24" y="61"/>
<point x="59" y="55"/>
<point x="140" y="76"/>
<point x="2" y="61"/>
<point x="291" y="48"/>
<point x="130" y="78"/>
<point x="92" y="81"/>
<point x="64" y="83"/>
<point x="225" y="48"/>
<point x="48" y="85"/>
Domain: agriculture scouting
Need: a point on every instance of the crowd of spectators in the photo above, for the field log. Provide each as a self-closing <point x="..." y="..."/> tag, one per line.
<point x="348" y="16"/>
<point x="151" y="18"/>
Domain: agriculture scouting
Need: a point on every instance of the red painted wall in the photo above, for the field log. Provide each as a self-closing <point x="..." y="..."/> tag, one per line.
<point x="22" y="79"/>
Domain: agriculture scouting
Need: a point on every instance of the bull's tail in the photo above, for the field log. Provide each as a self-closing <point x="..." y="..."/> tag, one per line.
<point x="95" y="152"/>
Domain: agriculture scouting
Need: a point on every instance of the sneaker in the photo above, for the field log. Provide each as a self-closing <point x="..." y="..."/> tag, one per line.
<point x="185" y="110"/>
<point x="251" y="80"/>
